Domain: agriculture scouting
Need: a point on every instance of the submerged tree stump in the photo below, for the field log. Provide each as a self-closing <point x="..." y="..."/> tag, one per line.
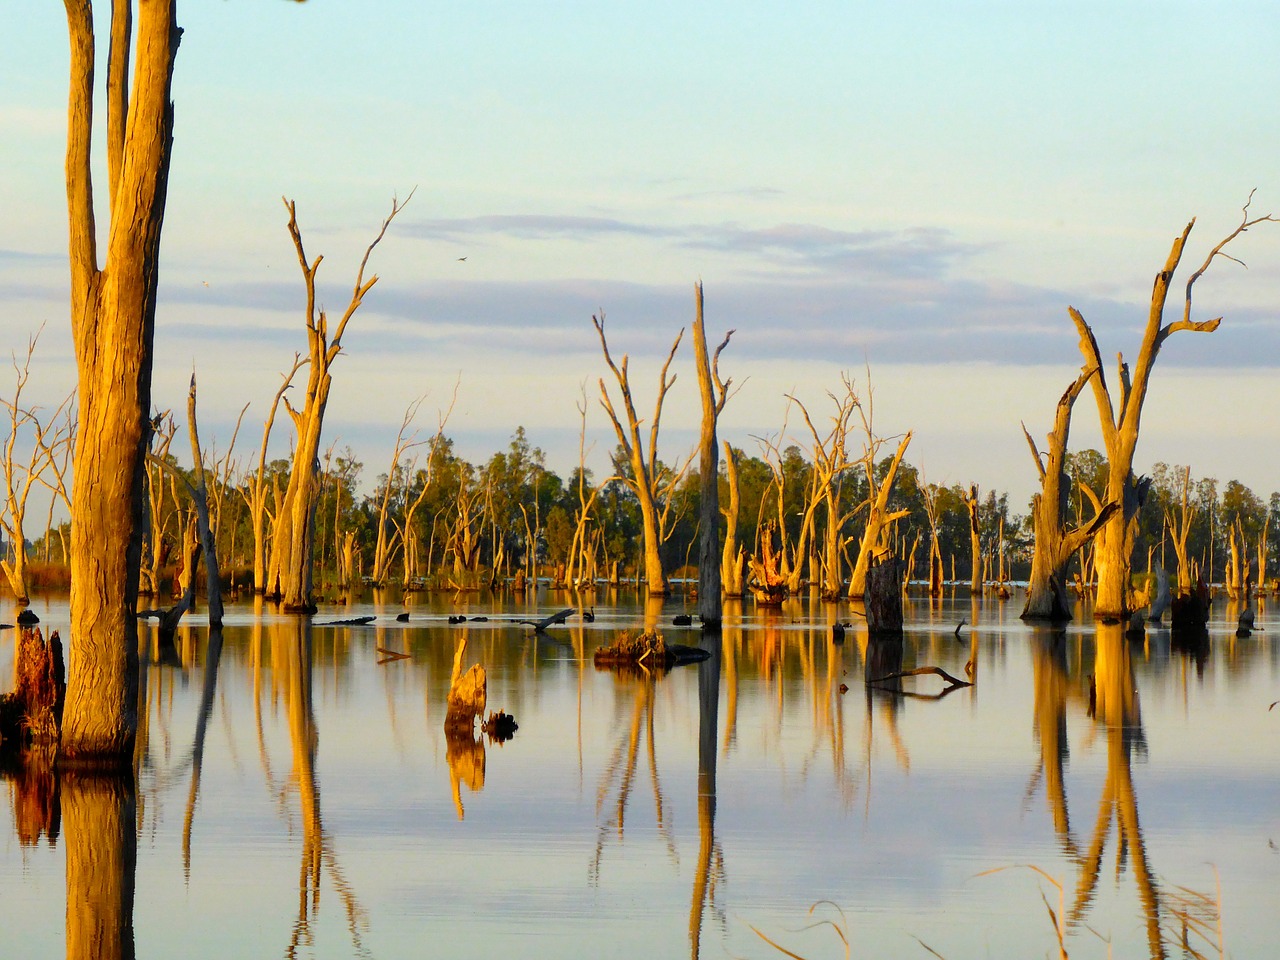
<point x="466" y="699"/>
<point x="645" y="651"/>
<point x="883" y="596"/>
<point x="32" y="713"/>
<point x="1190" y="611"/>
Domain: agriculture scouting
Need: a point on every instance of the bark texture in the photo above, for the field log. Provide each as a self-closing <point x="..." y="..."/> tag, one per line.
<point x="113" y="321"/>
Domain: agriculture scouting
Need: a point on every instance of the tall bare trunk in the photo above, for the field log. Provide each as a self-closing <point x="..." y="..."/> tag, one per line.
<point x="293" y="540"/>
<point x="714" y="393"/>
<point x="113" y="321"/>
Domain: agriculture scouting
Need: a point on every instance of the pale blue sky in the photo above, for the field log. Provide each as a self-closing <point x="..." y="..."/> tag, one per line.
<point x="922" y="186"/>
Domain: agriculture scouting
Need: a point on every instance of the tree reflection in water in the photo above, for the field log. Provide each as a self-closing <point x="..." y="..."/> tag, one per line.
<point x="619" y="775"/>
<point x="102" y="849"/>
<point x="710" y="868"/>
<point x="1113" y="704"/>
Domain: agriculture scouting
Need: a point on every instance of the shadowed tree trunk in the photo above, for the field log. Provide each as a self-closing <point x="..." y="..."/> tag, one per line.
<point x="714" y="393"/>
<point x="1120" y="417"/>
<point x="112" y="323"/>
<point x="1054" y="544"/>
<point x="293" y="540"/>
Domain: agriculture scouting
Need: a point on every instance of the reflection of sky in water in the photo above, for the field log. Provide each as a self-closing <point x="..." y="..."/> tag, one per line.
<point x="890" y="808"/>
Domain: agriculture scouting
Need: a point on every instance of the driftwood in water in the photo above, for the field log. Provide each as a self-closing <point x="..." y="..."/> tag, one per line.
<point x="953" y="683"/>
<point x="32" y="713"/>
<point x="646" y="651"/>
<point x="466" y="699"/>
<point x="349" y="622"/>
<point x="767" y="581"/>
<point x="883" y="596"/>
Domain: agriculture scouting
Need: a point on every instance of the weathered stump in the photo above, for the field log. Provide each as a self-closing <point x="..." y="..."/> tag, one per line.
<point x="1190" y="611"/>
<point x="883" y="597"/>
<point x="466" y="699"/>
<point x="32" y="713"/>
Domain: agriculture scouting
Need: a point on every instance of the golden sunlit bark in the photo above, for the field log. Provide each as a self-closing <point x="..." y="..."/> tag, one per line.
<point x="293" y="537"/>
<point x="649" y="479"/>
<point x="1054" y="544"/>
<point x="1120" y="417"/>
<point x="112" y="321"/>
<point x="878" y="516"/>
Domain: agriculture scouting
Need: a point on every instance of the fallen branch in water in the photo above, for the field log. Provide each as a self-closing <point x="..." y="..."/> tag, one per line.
<point x="389" y="656"/>
<point x="349" y="622"/>
<point x="922" y="671"/>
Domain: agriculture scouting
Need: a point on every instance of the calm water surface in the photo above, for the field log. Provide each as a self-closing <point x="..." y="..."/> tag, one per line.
<point x="301" y="799"/>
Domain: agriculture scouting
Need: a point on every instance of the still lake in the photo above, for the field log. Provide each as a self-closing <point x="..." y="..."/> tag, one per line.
<point x="302" y="800"/>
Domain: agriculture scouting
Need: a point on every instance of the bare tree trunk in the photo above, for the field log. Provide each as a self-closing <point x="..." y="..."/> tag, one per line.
<point x="113" y="322"/>
<point x="646" y="480"/>
<point x="1054" y="545"/>
<point x="293" y="541"/>
<point x="878" y="517"/>
<point x="714" y="393"/>
<point x="975" y="541"/>
<point x="733" y="556"/>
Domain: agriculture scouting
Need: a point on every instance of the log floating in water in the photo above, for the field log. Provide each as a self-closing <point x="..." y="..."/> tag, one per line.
<point x="350" y="622"/>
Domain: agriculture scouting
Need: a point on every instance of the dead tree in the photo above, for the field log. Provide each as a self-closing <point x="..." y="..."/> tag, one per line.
<point x="258" y="489"/>
<point x="975" y="541"/>
<point x="1055" y="545"/>
<point x="411" y="506"/>
<point x="714" y="393"/>
<point x="389" y="534"/>
<point x="1120" y="417"/>
<point x="580" y="563"/>
<point x="733" y="556"/>
<point x="199" y="538"/>
<point x="879" y="517"/>
<point x="929" y="494"/>
<point x="1179" y="531"/>
<point x="159" y="517"/>
<point x="113" y="322"/>
<point x="293" y="537"/>
<point x="45" y="440"/>
<point x="830" y="455"/>
<point x="647" y="478"/>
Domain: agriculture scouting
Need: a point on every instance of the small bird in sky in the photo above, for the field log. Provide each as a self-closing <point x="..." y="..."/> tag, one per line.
<point x="460" y="259"/>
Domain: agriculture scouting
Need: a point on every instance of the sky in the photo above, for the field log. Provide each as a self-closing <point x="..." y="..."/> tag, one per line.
<point x="918" y="190"/>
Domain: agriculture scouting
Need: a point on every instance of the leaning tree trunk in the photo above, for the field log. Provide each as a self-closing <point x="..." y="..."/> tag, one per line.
<point x="877" y="517"/>
<point x="113" y="323"/>
<point x="1054" y="544"/>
